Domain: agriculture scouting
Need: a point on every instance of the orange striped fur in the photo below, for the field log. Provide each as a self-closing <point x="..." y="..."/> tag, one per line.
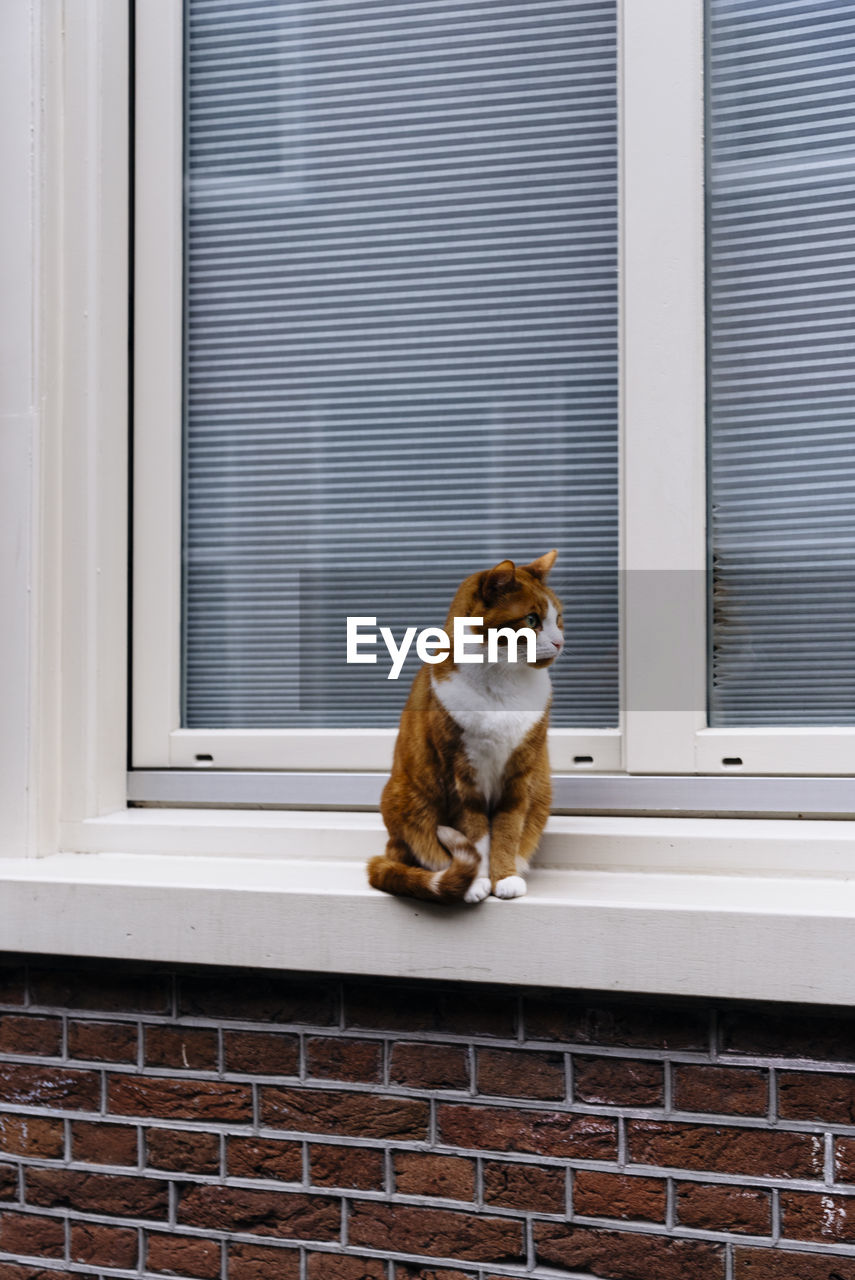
<point x="469" y="792"/>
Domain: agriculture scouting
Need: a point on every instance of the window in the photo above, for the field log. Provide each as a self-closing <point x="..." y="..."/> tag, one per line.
<point x="393" y="246"/>
<point x="398" y="276"/>
<point x="286" y="889"/>
<point x="400" y="266"/>
<point x="781" y="398"/>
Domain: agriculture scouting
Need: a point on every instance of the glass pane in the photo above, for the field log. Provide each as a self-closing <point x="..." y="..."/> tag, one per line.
<point x="401" y="353"/>
<point x="781" y="298"/>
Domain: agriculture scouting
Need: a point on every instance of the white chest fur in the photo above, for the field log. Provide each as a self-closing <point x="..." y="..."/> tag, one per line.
<point x="495" y="707"/>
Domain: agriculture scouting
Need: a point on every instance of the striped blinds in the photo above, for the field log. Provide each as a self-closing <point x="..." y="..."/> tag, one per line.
<point x="781" y="297"/>
<point x="401" y="338"/>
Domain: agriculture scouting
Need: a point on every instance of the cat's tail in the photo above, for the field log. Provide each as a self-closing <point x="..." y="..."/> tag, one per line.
<point x="393" y="871"/>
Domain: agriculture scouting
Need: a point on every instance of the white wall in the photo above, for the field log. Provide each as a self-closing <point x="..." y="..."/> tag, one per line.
<point x="19" y="423"/>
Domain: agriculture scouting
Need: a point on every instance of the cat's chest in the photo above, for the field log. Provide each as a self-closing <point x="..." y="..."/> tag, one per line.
<point x="493" y="724"/>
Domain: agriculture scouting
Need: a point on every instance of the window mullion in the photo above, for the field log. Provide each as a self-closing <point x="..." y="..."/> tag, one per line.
<point x="158" y="379"/>
<point x="663" y="427"/>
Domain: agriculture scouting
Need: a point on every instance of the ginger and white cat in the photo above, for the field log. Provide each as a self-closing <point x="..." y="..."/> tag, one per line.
<point x="469" y="792"/>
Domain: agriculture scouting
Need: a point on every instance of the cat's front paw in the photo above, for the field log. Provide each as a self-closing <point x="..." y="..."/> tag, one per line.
<point x="478" y="890"/>
<point x="510" y="887"/>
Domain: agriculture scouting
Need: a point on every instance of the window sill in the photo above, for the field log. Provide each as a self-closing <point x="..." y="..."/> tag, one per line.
<point x="609" y="908"/>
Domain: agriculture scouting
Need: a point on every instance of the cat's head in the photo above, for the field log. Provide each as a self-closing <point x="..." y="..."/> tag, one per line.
<point x="516" y="596"/>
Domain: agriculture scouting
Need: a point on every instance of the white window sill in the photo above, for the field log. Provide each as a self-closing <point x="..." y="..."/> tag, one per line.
<point x="609" y="907"/>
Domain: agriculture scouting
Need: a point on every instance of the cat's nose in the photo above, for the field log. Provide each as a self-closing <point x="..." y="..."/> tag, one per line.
<point x="558" y="644"/>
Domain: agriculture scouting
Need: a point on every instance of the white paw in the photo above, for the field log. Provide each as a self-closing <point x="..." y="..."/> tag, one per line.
<point x="510" y="887"/>
<point x="478" y="890"/>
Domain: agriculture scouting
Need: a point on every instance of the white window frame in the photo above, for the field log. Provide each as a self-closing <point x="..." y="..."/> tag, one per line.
<point x="700" y="906"/>
<point x="158" y="739"/>
<point x="663" y="474"/>
<point x="663" y="551"/>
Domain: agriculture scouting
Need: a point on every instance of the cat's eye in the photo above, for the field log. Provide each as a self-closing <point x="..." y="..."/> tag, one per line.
<point x="532" y="620"/>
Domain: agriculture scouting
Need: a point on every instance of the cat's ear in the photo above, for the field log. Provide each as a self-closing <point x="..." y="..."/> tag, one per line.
<point x="541" y="566"/>
<point x="498" y="580"/>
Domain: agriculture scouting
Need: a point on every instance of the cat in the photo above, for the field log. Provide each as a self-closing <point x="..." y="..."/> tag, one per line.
<point x="469" y="792"/>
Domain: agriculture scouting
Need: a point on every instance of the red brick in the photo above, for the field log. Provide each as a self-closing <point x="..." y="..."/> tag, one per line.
<point x="107" y="1193"/>
<point x="32" y="1235"/>
<point x="391" y="1008"/>
<point x="32" y="1136"/>
<point x="354" y="1168"/>
<point x="617" y="1024"/>
<point x="184" y="1256"/>
<point x="844" y="1159"/>
<point x="103" y="1041"/>
<point x="98" y="1143"/>
<point x="187" y="1048"/>
<point x="785" y="1264"/>
<point x="24" y="1034"/>
<point x="261" y="1262"/>
<point x="12" y="1272"/>
<point x="63" y="1088"/>
<point x="797" y="1034"/>
<point x="104" y="1246"/>
<point x="364" y="1115"/>
<point x="430" y="1066"/>
<point x="262" y="1053"/>
<point x="812" y="1095"/>
<point x="409" y="1271"/>
<point x="290" y="1215"/>
<point x="615" y="1195"/>
<point x="8" y="1182"/>
<point x="265" y="1158"/>
<point x="624" y="1255"/>
<point x="13" y="984"/>
<point x="545" y="1133"/>
<point x="524" y="1186"/>
<point x="436" y="1232"/>
<point x="168" y="1098"/>
<point x="183" y="1151"/>
<point x="259" y="997"/>
<point x="738" y="1091"/>
<point x="618" y="1082"/>
<point x="331" y="1058"/>
<point x="716" y="1207"/>
<point x="451" y="1011"/>
<point x="422" y="1173"/>
<point x="755" y="1152"/>
<point x="520" y="1073"/>
<point x="807" y="1216"/>
<point x="328" y="1266"/>
<point x="103" y="988"/>
<point x="474" y="1011"/>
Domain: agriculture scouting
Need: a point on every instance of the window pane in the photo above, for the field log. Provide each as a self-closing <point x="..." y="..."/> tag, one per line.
<point x="781" y="297"/>
<point x="401" y="356"/>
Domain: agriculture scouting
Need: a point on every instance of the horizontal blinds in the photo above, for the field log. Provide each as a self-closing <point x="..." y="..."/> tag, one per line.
<point x="781" y="244"/>
<point x="401" y="325"/>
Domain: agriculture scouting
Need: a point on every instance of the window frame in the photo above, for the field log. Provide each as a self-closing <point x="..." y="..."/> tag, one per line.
<point x="663" y="552"/>
<point x="159" y="740"/>
<point x="664" y="379"/>
<point x="704" y="906"/>
<point x="663" y="481"/>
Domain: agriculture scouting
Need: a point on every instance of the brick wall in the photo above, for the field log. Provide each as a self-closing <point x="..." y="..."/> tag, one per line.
<point x="253" y="1126"/>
